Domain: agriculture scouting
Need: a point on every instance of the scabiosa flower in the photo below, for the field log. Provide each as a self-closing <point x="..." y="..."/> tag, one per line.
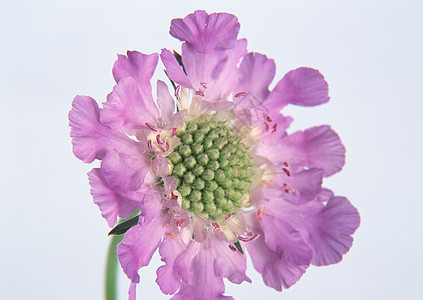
<point x="211" y="166"/>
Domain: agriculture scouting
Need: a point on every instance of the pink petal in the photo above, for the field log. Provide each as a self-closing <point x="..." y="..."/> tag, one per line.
<point x="317" y="147"/>
<point x="173" y="69"/>
<point x="203" y="282"/>
<point x="206" y="32"/>
<point x="277" y="272"/>
<point x="90" y="138"/>
<point x="229" y="264"/>
<point x="110" y="202"/>
<point x="257" y="72"/>
<point x="285" y="241"/>
<point x="167" y="277"/>
<point x="139" y="245"/>
<point x="132" y="291"/>
<point x="125" y="171"/>
<point x="126" y="107"/>
<point x="327" y="229"/>
<point x="165" y="102"/>
<point x="183" y="264"/>
<point x="302" y="86"/>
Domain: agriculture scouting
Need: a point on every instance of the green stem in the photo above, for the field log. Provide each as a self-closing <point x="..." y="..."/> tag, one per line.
<point x="111" y="269"/>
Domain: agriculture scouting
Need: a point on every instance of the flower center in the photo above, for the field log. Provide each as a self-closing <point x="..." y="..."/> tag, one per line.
<point x="212" y="168"/>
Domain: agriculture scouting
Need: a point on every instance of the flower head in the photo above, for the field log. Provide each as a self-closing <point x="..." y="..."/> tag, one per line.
<point x="211" y="166"/>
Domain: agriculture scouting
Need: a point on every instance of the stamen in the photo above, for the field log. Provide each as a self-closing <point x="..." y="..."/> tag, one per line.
<point x="203" y="84"/>
<point x="149" y="145"/>
<point x="267" y="126"/>
<point x="199" y="93"/>
<point x="251" y="237"/>
<point x="274" y="128"/>
<point x="172" y="235"/>
<point x="215" y="226"/>
<point x="285" y="164"/>
<point x="240" y="94"/>
<point x="174" y="131"/>
<point x="267" y="182"/>
<point x="259" y="213"/>
<point x="230" y="216"/>
<point x="179" y="222"/>
<point x="160" y="142"/>
<point x="288" y="189"/>
<point x="287" y="172"/>
<point x="232" y="247"/>
<point x="268" y="119"/>
<point x="173" y="196"/>
<point x="177" y="91"/>
<point x="150" y="126"/>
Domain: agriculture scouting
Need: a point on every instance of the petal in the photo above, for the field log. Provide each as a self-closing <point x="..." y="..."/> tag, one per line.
<point x="165" y="102"/>
<point x="277" y="272"/>
<point x="126" y="107"/>
<point x="327" y="229"/>
<point x="168" y="278"/>
<point x="132" y="291"/>
<point x="284" y="240"/>
<point x="257" y="72"/>
<point x="139" y="245"/>
<point x="183" y="263"/>
<point x="110" y="202"/>
<point x="317" y="147"/>
<point x="302" y="86"/>
<point x="139" y="66"/>
<point x="125" y="171"/>
<point x="206" y="32"/>
<point x="173" y="69"/>
<point x="203" y="281"/>
<point x="90" y="138"/>
<point x="229" y="264"/>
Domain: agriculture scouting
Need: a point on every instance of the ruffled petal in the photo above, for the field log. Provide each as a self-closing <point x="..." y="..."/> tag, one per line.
<point x="317" y="147"/>
<point x="139" y="245"/>
<point x="203" y="282"/>
<point x="165" y="102"/>
<point x="326" y="225"/>
<point x="126" y="107"/>
<point x="205" y="32"/>
<point x="110" y="202"/>
<point x="168" y="278"/>
<point x="302" y="86"/>
<point x="125" y="171"/>
<point x="90" y="138"/>
<point x="285" y="241"/>
<point x="257" y="72"/>
<point x="277" y="272"/>
<point x="173" y="69"/>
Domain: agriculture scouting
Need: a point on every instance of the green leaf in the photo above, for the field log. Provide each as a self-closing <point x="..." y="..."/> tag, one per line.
<point x="238" y="246"/>
<point x="124" y="226"/>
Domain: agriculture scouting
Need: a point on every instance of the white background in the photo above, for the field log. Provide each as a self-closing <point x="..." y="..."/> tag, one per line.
<point x="53" y="239"/>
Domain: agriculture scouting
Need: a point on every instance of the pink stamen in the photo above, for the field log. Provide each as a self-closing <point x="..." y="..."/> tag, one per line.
<point x="215" y="226"/>
<point x="230" y="216"/>
<point x="177" y="91"/>
<point x="259" y="213"/>
<point x="288" y="189"/>
<point x="160" y="142"/>
<point x="251" y="237"/>
<point x="149" y="145"/>
<point x="267" y="126"/>
<point x="268" y="119"/>
<point x="203" y="84"/>
<point x="199" y="93"/>
<point x="179" y="222"/>
<point x="240" y="94"/>
<point x="285" y="164"/>
<point x="287" y="172"/>
<point x="174" y="131"/>
<point x="172" y="235"/>
<point x="232" y="247"/>
<point x="150" y="126"/>
<point x="173" y="196"/>
<point x="274" y="128"/>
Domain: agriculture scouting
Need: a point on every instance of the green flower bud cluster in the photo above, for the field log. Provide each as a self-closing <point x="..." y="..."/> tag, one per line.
<point x="212" y="168"/>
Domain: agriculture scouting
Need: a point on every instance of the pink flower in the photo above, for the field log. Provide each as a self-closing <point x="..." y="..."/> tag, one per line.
<point x="212" y="167"/>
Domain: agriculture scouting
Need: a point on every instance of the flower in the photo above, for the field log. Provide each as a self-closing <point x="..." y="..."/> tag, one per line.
<point x="212" y="167"/>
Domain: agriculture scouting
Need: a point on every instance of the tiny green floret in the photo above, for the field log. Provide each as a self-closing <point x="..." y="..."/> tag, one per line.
<point x="212" y="168"/>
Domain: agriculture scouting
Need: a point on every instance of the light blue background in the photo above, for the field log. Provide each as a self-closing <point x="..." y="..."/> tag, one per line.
<point x="53" y="237"/>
